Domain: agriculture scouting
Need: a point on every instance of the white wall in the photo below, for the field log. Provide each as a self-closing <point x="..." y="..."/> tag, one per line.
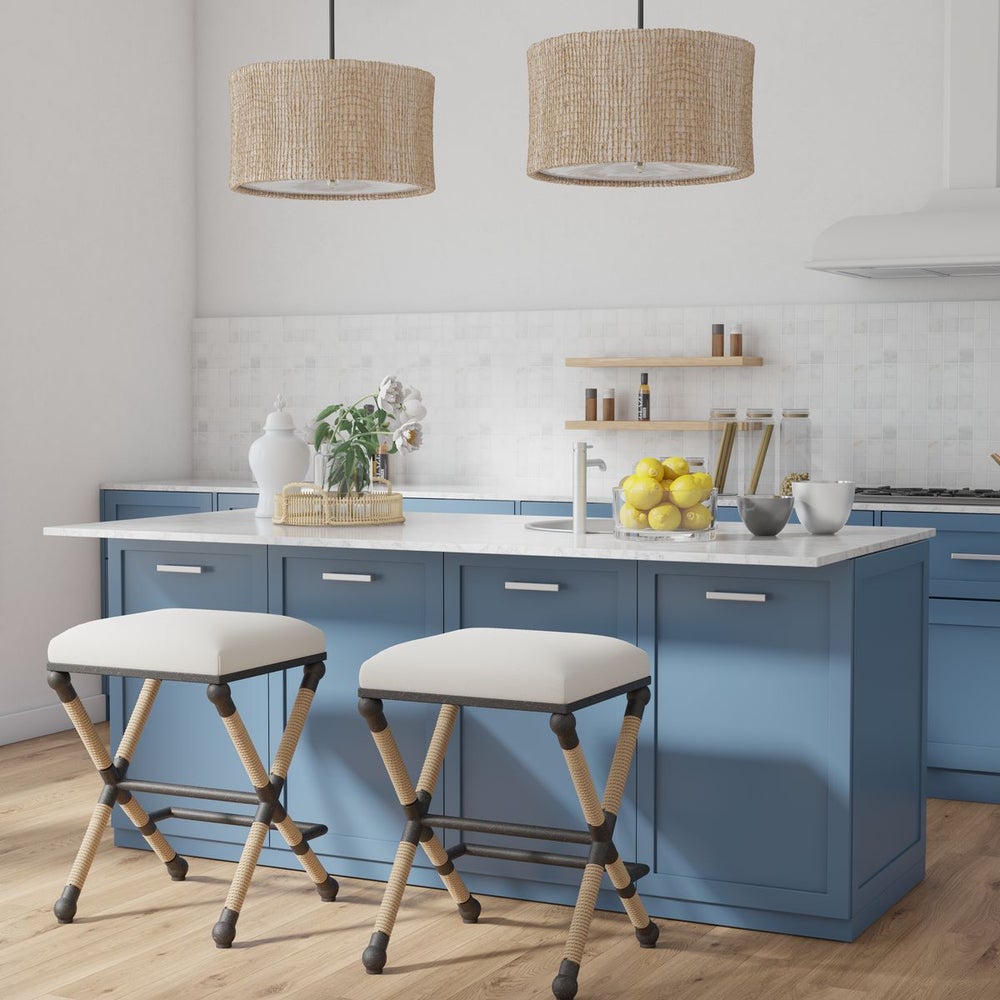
<point x="848" y="119"/>
<point x="96" y="298"/>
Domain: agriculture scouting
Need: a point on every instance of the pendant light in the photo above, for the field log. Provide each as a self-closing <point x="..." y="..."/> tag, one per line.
<point x="640" y="107"/>
<point x="331" y="129"/>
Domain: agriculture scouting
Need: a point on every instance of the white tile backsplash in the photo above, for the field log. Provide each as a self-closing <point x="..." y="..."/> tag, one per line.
<point x="899" y="393"/>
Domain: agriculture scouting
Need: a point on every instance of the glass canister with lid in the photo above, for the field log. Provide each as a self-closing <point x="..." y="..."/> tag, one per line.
<point x="759" y="463"/>
<point x="723" y="451"/>
<point x="795" y="460"/>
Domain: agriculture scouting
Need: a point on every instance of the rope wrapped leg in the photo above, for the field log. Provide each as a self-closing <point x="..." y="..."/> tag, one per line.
<point x="565" y="985"/>
<point x="326" y="884"/>
<point x="646" y="931"/>
<point x="176" y="866"/>
<point x="374" y="956"/>
<point x="224" y="932"/>
<point x="65" y="905"/>
<point x="468" y="906"/>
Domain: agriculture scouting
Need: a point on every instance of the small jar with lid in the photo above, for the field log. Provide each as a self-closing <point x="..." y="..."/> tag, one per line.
<point x="723" y="452"/>
<point x="795" y="452"/>
<point x="759" y="462"/>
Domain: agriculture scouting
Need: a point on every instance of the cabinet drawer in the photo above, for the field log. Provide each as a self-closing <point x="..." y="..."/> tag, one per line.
<point x="560" y="595"/>
<point x="561" y="508"/>
<point x="235" y="501"/>
<point x="431" y="505"/>
<point x="965" y="552"/>
<point x="122" y="505"/>
<point x="963" y="686"/>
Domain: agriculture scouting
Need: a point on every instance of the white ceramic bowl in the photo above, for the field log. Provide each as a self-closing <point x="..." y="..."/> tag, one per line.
<point x="823" y="507"/>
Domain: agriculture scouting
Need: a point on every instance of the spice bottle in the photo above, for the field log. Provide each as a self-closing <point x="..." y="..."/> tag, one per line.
<point x="590" y="405"/>
<point x="724" y="453"/>
<point x="380" y="461"/>
<point x="718" y="340"/>
<point x="643" y="413"/>
<point x="758" y="460"/>
<point x="795" y="448"/>
<point x="608" y="405"/>
<point x="736" y="344"/>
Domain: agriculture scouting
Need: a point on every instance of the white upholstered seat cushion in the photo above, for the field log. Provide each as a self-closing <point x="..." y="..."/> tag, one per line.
<point x="509" y="665"/>
<point x="186" y="644"/>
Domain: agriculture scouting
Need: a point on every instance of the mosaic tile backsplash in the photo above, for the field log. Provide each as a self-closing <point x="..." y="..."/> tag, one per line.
<point x="899" y="393"/>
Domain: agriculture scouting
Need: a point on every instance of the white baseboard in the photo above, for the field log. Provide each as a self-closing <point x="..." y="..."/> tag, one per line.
<point x="42" y="721"/>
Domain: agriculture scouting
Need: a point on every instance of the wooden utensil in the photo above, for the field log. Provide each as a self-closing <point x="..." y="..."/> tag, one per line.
<point x="995" y="457"/>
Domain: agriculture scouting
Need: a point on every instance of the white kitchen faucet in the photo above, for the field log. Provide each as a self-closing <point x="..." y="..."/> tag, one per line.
<point x="580" y="466"/>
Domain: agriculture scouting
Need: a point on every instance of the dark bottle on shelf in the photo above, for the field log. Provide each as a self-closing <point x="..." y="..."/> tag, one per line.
<point x="644" y="397"/>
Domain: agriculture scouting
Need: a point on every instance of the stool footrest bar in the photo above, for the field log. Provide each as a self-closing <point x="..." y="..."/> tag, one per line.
<point x="189" y="791"/>
<point x="508" y="829"/>
<point x="308" y="830"/>
<point x="635" y="869"/>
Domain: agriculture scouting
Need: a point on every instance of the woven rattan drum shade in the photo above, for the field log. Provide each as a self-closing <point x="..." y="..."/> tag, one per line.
<point x="640" y="107"/>
<point x="332" y="129"/>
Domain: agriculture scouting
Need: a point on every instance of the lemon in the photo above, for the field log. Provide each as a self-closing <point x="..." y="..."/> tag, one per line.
<point x="626" y="482"/>
<point x="632" y="518"/>
<point x="685" y="491"/>
<point x="674" y="466"/>
<point x="649" y="467"/>
<point x="644" y="493"/>
<point x="665" y="517"/>
<point x="704" y="480"/>
<point x="696" y="518"/>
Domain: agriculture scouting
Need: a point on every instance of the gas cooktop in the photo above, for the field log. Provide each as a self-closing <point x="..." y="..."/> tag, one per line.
<point x="927" y="494"/>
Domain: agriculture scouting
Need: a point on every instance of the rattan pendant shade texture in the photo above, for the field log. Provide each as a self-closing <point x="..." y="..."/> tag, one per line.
<point x="640" y="107"/>
<point x="334" y="129"/>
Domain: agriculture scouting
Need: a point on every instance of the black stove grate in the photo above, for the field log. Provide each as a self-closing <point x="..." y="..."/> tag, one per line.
<point x="931" y="494"/>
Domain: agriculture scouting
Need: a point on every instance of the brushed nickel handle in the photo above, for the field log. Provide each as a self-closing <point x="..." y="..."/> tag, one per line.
<point x="725" y="595"/>
<point x="349" y="577"/>
<point x="551" y="588"/>
<point x="169" y="568"/>
<point x="976" y="556"/>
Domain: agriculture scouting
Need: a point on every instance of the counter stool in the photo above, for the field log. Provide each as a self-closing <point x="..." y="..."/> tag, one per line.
<point x="555" y="672"/>
<point x="208" y="647"/>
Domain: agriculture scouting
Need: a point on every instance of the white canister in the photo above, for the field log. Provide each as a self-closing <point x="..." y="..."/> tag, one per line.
<point x="277" y="457"/>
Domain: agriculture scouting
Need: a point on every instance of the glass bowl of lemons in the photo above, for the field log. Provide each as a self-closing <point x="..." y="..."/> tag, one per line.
<point x="663" y="499"/>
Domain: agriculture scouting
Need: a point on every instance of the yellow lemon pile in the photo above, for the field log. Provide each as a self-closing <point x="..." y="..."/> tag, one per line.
<point x="664" y="495"/>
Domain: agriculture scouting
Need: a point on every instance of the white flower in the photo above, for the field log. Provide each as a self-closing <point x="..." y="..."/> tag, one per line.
<point x="412" y="392"/>
<point x="390" y="393"/>
<point x="408" y="436"/>
<point x="413" y="408"/>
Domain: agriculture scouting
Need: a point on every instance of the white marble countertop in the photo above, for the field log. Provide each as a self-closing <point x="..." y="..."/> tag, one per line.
<point x="445" y="491"/>
<point x="505" y="534"/>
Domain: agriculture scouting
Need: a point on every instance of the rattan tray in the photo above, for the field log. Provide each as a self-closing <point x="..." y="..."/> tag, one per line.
<point x="306" y="504"/>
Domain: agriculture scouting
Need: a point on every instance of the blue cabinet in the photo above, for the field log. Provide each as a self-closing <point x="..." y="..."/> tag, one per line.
<point x="431" y="505"/>
<point x="235" y="501"/>
<point x="785" y="774"/>
<point x="864" y="518"/>
<point x="559" y="508"/>
<point x="364" y="601"/>
<point x="184" y="740"/>
<point x="509" y="763"/>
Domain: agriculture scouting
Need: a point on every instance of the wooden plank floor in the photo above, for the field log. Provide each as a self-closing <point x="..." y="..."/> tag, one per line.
<point x="139" y="935"/>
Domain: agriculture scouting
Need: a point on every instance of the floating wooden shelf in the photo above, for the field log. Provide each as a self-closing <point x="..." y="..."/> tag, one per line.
<point x="640" y="425"/>
<point x="664" y="362"/>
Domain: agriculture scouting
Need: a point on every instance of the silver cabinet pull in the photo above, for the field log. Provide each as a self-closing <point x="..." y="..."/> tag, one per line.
<point x="724" y="595"/>
<point x="168" y="568"/>
<point x="976" y="556"/>
<point x="552" y="588"/>
<point x="349" y="577"/>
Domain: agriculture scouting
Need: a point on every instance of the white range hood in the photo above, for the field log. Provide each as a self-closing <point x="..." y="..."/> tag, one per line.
<point x="957" y="233"/>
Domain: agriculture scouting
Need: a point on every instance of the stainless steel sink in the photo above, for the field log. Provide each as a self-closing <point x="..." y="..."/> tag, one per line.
<point x="595" y="525"/>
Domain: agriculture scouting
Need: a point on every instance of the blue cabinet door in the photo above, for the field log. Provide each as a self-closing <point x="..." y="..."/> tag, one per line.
<point x="560" y="508"/>
<point x="511" y="766"/>
<point x="864" y="518"/>
<point x="364" y="601"/>
<point x="432" y="505"/>
<point x="235" y="501"/>
<point x="963" y="749"/>
<point x="184" y="740"/>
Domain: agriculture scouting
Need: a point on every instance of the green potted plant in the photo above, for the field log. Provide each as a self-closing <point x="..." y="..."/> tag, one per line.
<point x="348" y="437"/>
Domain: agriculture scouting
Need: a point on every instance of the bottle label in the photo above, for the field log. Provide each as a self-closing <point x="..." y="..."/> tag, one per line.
<point x="644" y="406"/>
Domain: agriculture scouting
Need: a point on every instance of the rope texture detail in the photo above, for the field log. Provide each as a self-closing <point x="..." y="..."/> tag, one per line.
<point x="88" y="848"/>
<point x="293" y="732"/>
<point x="583" y="913"/>
<point x="620" y="879"/>
<point x="244" y="870"/>
<point x="156" y="840"/>
<point x="437" y="748"/>
<point x="593" y="813"/>
<point x="247" y="751"/>
<point x="393" y="761"/>
<point x="437" y="855"/>
<point x="401" y="865"/>
<point x="88" y="734"/>
<point x="293" y="836"/>
<point x="137" y="720"/>
<point x="621" y="763"/>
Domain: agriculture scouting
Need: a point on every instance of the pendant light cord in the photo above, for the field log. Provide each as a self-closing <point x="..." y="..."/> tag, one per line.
<point x="641" y="19"/>
<point x="332" y="31"/>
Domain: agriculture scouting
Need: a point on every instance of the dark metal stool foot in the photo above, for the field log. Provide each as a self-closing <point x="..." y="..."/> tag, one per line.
<point x="647" y="936"/>
<point x="65" y="905"/>
<point x="374" y="956"/>
<point x="224" y="932"/>
<point x="328" y="890"/>
<point x="177" y="867"/>
<point x="470" y="910"/>
<point x="564" y="986"/>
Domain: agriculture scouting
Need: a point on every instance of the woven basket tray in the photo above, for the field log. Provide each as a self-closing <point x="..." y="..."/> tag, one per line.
<point x="303" y="503"/>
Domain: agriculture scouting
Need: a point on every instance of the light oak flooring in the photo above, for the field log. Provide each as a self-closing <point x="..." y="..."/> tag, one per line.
<point x="142" y="937"/>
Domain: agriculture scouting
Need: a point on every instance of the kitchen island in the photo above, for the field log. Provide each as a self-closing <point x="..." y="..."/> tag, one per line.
<point x="779" y="778"/>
